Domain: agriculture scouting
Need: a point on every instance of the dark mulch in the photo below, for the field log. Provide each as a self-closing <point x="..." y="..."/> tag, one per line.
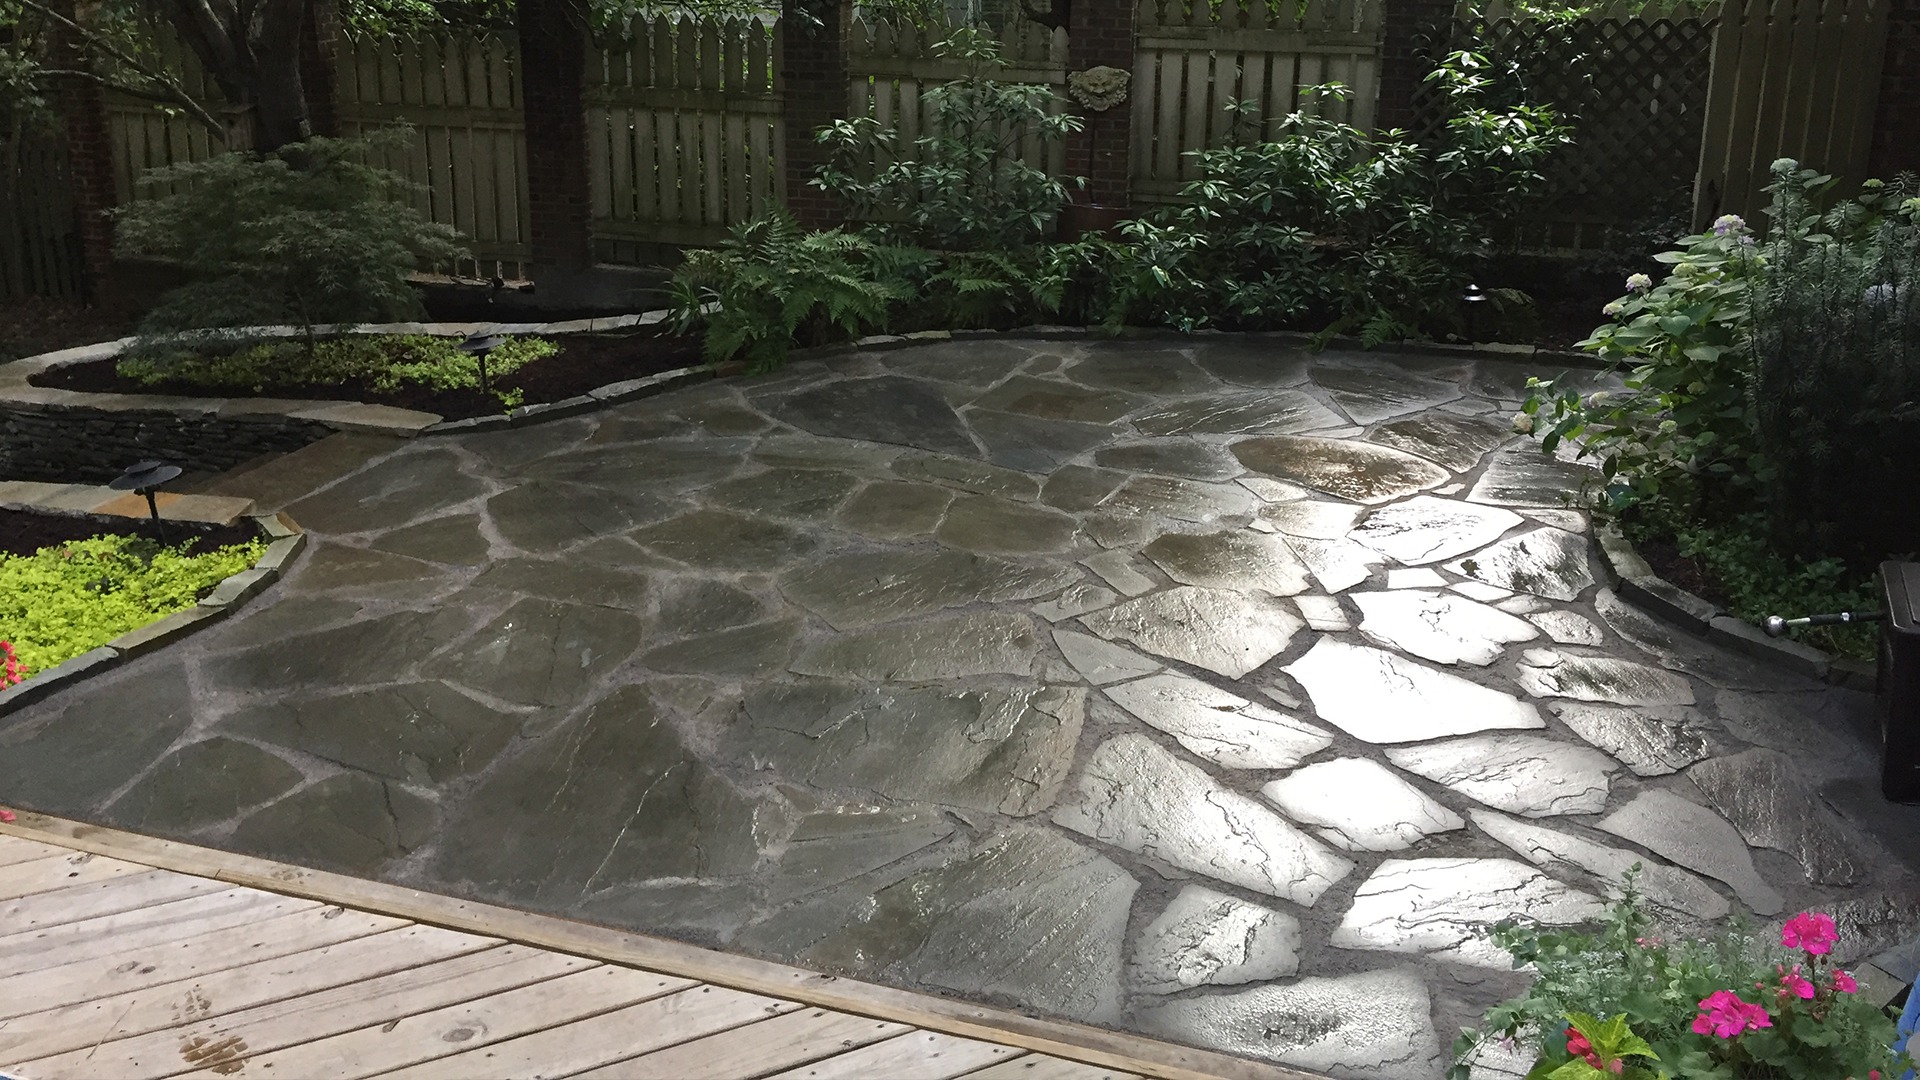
<point x="584" y="362"/>
<point x="23" y="532"/>
<point x="1663" y="554"/>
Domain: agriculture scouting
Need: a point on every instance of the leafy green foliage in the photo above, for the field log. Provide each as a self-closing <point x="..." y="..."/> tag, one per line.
<point x="1653" y="991"/>
<point x="63" y="601"/>
<point x="962" y="185"/>
<point x="1755" y="580"/>
<point x="385" y="363"/>
<point x="304" y="236"/>
<point x="1322" y="223"/>
<point x="1836" y="378"/>
<point x="1682" y="343"/>
<point x="771" y="282"/>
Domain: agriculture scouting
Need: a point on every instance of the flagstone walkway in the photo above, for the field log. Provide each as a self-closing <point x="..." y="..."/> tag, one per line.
<point x="1219" y="692"/>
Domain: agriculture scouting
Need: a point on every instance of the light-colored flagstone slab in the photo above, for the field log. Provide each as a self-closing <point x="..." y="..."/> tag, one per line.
<point x="1118" y="569"/>
<point x="1697" y="838"/>
<point x="1227" y="633"/>
<point x="1479" y="590"/>
<point x="979" y="643"/>
<point x="1458" y="442"/>
<point x="1101" y="662"/>
<point x="1764" y="796"/>
<point x="1550" y="673"/>
<point x="1338" y="565"/>
<point x="1223" y="728"/>
<point x="1358" y="471"/>
<point x="1136" y="795"/>
<point x="1001" y="750"/>
<point x="1523" y="476"/>
<point x="1322" y="613"/>
<point x="1522" y="604"/>
<point x="1239" y="560"/>
<point x="1313" y="518"/>
<point x="1377" y="1024"/>
<point x="1207" y="938"/>
<point x="1428" y="529"/>
<point x="852" y="591"/>
<point x="1274" y="491"/>
<point x="1282" y="412"/>
<point x="1667" y="886"/>
<point x="1370" y="392"/>
<point x="1360" y="805"/>
<point x="1570" y="520"/>
<point x="1443" y="907"/>
<point x="1652" y="741"/>
<point x="1567" y="627"/>
<point x="1417" y="578"/>
<point x="1546" y="562"/>
<point x="1525" y="774"/>
<point x="1078" y="599"/>
<point x="1442" y="627"/>
<point x="1380" y="697"/>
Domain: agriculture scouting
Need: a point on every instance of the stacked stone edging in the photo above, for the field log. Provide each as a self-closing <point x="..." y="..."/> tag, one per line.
<point x="1635" y="582"/>
<point x="285" y="539"/>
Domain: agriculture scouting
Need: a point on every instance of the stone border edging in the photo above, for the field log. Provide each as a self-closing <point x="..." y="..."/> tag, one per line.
<point x="284" y="541"/>
<point x="1073" y="1040"/>
<point x="1634" y="580"/>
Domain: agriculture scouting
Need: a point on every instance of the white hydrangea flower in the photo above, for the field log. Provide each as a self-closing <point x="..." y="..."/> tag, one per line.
<point x="1614" y="307"/>
<point x="1523" y="423"/>
<point x="1639" y="283"/>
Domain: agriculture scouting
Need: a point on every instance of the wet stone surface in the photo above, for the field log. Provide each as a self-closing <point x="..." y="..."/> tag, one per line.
<point x="1207" y="688"/>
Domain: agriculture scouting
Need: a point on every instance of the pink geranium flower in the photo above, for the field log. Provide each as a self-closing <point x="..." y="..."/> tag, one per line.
<point x="1810" y="930"/>
<point x="1724" y="1015"/>
<point x="1792" y="983"/>
<point x="1844" y="983"/>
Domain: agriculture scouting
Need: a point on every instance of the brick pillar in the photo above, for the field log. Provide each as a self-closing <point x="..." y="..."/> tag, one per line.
<point x="1100" y="34"/>
<point x="1896" y="122"/>
<point x="1404" y="59"/>
<point x="552" y="81"/>
<point x="814" y="90"/>
<point x="83" y="113"/>
<point x="319" y="66"/>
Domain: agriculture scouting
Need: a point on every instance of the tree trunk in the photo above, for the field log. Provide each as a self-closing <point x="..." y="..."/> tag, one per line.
<point x="255" y="63"/>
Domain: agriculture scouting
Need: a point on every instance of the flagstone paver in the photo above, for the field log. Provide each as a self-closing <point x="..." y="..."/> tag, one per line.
<point x="1198" y="687"/>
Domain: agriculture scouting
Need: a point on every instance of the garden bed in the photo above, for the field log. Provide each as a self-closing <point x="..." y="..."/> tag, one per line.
<point x="584" y="362"/>
<point x="23" y="532"/>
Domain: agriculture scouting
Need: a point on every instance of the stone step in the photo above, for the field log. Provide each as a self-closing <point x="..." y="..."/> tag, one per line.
<point x="82" y="498"/>
<point x="275" y="482"/>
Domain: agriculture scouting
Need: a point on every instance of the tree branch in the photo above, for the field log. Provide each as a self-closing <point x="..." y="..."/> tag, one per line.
<point x="169" y="91"/>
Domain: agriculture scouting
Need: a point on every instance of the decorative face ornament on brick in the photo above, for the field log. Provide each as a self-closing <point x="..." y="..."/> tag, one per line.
<point x="1099" y="88"/>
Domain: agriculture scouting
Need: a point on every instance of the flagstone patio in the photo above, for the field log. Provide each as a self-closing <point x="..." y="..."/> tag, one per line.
<point x="1217" y="691"/>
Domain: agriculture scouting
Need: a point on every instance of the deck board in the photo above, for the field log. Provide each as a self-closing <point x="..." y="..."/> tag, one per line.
<point x="194" y="963"/>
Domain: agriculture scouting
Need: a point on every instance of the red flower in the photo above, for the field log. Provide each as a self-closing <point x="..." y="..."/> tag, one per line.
<point x="1810" y="930"/>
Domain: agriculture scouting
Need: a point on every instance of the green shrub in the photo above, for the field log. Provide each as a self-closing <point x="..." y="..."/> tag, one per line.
<point x="1836" y="383"/>
<point x="961" y="186"/>
<point x="1322" y="223"/>
<point x="63" y="601"/>
<point x="385" y="362"/>
<point x="304" y="236"/>
<point x="1682" y="343"/>
<point x="770" y="282"/>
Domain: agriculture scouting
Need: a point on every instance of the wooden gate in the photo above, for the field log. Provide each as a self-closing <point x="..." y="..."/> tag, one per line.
<point x="39" y="244"/>
<point x="683" y="132"/>
<point x="1791" y="78"/>
<point x="1192" y="60"/>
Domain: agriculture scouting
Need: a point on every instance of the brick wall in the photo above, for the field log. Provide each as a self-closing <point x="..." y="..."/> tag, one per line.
<point x="1101" y="33"/>
<point x="1896" y="123"/>
<point x="83" y="112"/>
<point x="813" y="84"/>
<point x="553" y="80"/>
<point x="1403" y="62"/>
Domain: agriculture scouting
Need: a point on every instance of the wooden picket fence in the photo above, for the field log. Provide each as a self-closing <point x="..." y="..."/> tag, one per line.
<point x="1791" y="78"/>
<point x="684" y="132"/>
<point x="1192" y="61"/>
<point x="39" y="244"/>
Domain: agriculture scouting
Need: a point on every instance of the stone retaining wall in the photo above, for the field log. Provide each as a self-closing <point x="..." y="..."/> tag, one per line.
<point x="85" y="445"/>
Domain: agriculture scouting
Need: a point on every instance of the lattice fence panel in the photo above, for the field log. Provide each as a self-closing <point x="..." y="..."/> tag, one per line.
<point x="1635" y="92"/>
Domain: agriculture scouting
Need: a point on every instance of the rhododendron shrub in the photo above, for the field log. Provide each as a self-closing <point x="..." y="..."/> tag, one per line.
<point x="1736" y="1006"/>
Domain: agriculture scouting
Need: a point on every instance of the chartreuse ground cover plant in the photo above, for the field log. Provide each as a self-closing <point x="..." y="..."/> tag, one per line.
<point x="1771" y="410"/>
<point x="1621" y="1001"/>
<point x="383" y="363"/>
<point x="65" y="600"/>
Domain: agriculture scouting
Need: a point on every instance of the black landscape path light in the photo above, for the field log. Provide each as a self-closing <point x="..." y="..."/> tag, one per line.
<point x="144" y="478"/>
<point x="1473" y="298"/>
<point x="478" y="345"/>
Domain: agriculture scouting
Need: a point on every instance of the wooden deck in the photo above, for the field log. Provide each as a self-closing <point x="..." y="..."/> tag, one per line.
<point x="117" y="966"/>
